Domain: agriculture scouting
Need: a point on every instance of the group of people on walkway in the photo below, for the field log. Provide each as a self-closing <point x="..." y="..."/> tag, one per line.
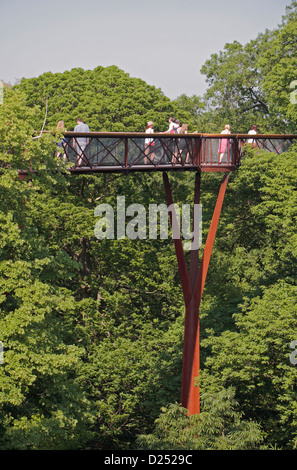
<point x="80" y="143"/>
<point x="175" y="127"/>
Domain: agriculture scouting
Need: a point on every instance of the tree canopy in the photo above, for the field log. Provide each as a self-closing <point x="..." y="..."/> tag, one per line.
<point x="107" y="99"/>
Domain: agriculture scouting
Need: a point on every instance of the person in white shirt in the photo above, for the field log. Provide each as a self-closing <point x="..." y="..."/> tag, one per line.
<point x="253" y="131"/>
<point x="173" y="126"/>
<point x="82" y="142"/>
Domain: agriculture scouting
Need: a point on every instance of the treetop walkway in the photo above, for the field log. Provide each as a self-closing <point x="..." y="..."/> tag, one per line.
<point x="126" y="152"/>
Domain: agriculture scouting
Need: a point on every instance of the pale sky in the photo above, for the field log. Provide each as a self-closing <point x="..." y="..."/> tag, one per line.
<point x="163" y="42"/>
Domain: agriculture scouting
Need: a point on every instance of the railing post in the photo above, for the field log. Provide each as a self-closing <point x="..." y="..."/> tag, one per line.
<point x="126" y="152"/>
<point x="197" y="152"/>
<point x="235" y="151"/>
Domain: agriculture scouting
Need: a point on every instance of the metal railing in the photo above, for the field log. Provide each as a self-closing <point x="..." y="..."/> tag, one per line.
<point x="117" y="152"/>
<point x="100" y="151"/>
<point x="140" y="151"/>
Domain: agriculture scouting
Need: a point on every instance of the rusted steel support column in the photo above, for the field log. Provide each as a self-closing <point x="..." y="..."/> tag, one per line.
<point x="191" y="398"/>
<point x="190" y="393"/>
<point x="191" y="350"/>
<point x="191" y="330"/>
<point x="193" y="285"/>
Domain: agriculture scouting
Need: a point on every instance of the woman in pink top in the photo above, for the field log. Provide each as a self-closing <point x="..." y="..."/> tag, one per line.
<point x="224" y="142"/>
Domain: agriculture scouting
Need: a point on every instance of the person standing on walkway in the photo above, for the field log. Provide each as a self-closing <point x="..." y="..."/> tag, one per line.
<point x="63" y="141"/>
<point x="224" y="143"/>
<point x="253" y="131"/>
<point x="173" y="126"/>
<point x="81" y="142"/>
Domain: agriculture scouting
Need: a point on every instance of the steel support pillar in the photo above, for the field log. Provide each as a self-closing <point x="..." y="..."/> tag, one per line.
<point x="192" y="282"/>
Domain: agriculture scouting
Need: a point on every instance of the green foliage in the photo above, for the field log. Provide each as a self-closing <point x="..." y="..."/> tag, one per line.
<point x="219" y="427"/>
<point x="18" y="124"/>
<point x="278" y="65"/>
<point x="72" y="308"/>
<point x="250" y="84"/>
<point x="255" y="361"/>
<point x="41" y="404"/>
<point x="107" y="99"/>
<point x="191" y="109"/>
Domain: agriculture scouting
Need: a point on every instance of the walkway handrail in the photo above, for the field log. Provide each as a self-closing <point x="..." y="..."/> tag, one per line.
<point x="192" y="135"/>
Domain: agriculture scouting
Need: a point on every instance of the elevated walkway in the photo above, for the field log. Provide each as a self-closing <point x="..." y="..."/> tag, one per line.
<point x="126" y="152"/>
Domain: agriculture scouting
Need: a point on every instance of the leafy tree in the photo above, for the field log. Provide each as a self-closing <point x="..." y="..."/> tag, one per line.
<point x="235" y="95"/>
<point x="250" y="84"/>
<point x="108" y="99"/>
<point x="220" y="426"/>
<point x="279" y="64"/>
<point x="42" y="406"/>
<point x="193" y="109"/>
<point x="255" y="361"/>
<point x="69" y="302"/>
